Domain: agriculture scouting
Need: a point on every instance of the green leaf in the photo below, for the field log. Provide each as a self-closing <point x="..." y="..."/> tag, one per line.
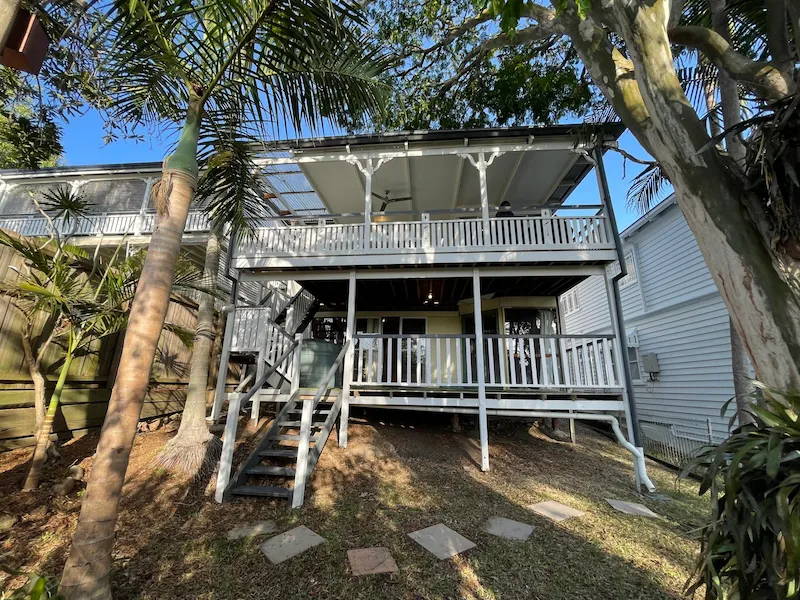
<point x="584" y="6"/>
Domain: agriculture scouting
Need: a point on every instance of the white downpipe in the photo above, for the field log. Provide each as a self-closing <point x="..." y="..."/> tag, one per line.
<point x="638" y="453"/>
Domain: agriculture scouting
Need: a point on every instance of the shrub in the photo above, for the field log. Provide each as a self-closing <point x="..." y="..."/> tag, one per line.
<point x="749" y="548"/>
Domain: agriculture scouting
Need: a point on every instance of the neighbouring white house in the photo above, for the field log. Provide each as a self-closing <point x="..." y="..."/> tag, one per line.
<point x="678" y="332"/>
<point x="392" y="274"/>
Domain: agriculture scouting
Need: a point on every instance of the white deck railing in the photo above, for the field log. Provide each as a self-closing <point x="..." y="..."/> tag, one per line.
<point x="519" y="233"/>
<point x="449" y="361"/>
<point x="100" y="224"/>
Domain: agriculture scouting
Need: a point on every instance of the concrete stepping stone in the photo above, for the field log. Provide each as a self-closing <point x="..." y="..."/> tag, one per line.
<point x="632" y="508"/>
<point x="370" y="561"/>
<point x="288" y="545"/>
<point x="441" y="541"/>
<point x="252" y="530"/>
<point x="508" y="529"/>
<point x="555" y="511"/>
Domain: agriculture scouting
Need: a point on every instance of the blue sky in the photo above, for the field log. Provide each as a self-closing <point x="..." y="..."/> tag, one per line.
<point x="83" y="145"/>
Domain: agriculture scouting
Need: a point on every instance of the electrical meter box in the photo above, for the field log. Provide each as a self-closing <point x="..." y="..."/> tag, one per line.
<point x="650" y="363"/>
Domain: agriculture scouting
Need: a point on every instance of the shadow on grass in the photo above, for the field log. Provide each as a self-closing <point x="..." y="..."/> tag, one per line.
<point x="393" y="480"/>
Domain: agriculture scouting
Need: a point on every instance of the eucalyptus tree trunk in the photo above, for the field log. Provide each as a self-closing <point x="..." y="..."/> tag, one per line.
<point x="753" y="278"/>
<point x="43" y="436"/>
<point x="194" y="450"/>
<point x="86" y="574"/>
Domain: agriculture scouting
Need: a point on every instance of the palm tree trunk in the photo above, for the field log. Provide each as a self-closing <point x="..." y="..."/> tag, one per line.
<point x="39" y="382"/>
<point x="43" y="437"/>
<point x="194" y="450"/>
<point x="86" y="574"/>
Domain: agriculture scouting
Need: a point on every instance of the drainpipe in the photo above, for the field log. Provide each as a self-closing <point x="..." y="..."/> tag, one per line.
<point x="605" y="198"/>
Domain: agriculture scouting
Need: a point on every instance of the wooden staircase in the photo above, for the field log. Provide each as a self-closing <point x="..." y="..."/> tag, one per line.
<point x="285" y="457"/>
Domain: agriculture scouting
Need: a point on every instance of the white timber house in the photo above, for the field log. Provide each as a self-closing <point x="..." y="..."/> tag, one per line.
<point x="390" y="276"/>
<point x="677" y="328"/>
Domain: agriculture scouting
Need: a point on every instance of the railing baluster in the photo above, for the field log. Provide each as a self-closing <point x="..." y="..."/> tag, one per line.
<point x="545" y="369"/>
<point x="468" y="355"/>
<point x="587" y="371"/>
<point x="564" y="362"/>
<point x="554" y="361"/>
<point x="389" y="363"/>
<point x="379" y="365"/>
<point x="601" y="380"/>
<point x="490" y="353"/>
<point x="428" y="361"/>
<point x="409" y="343"/>
<point x="522" y="362"/>
<point x="447" y="361"/>
<point x="459" y="374"/>
<point x="502" y="353"/>
<point x="419" y="360"/>
<point x="609" y="368"/>
<point x="512" y="367"/>
<point x="439" y="361"/>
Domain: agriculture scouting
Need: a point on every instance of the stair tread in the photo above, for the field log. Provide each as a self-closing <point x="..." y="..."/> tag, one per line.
<point x="270" y="470"/>
<point x="288" y="453"/>
<point x="290" y="437"/>
<point x="316" y="412"/>
<point x="298" y="423"/>
<point x="262" y="490"/>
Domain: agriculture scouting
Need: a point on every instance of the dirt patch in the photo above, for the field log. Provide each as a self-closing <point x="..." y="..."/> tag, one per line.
<point x="391" y="480"/>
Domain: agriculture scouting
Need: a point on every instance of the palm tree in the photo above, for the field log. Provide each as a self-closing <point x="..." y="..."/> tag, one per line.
<point x="194" y="449"/>
<point x="221" y="70"/>
<point x="84" y="303"/>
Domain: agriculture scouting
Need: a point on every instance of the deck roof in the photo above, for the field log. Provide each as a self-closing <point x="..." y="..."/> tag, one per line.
<point x="545" y="173"/>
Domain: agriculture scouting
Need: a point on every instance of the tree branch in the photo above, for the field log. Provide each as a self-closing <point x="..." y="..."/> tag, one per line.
<point x="631" y="157"/>
<point x="459" y="30"/>
<point x="762" y="77"/>
<point x="502" y="40"/>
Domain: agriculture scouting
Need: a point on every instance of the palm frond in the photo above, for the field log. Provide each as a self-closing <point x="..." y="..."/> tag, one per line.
<point x="647" y="189"/>
<point x="67" y="204"/>
<point x="234" y="189"/>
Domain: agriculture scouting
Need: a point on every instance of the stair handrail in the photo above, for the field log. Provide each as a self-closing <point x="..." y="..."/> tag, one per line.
<point x="301" y="470"/>
<point x="232" y="421"/>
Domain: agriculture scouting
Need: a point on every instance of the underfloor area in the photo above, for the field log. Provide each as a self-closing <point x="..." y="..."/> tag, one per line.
<point x="402" y="472"/>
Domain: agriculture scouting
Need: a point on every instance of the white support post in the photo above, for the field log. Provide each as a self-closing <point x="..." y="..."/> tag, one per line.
<point x="228" y="445"/>
<point x="295" y="383"/>
<point x="368" y="171"/>
<point x="622" y="355"/>
<point x="224" y="357"/>
<point x="484" y="197"/>
<point x="263" y="334"/>
<point x="481" y="372"/>
<point x="347" y="375"/>
<point x="547" y="226"/>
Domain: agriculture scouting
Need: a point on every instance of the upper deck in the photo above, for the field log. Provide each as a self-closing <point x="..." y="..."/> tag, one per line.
<point x="432" y="198"/>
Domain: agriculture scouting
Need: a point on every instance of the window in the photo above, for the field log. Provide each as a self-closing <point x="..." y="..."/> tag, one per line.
<point x="630" y="266"/>
<point x="570" y="302"/>
<point x="633" y="361"/>
<point x="632" y="336"/>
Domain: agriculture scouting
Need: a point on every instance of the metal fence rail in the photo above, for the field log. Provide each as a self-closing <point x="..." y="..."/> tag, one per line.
<point x="675" y="441"/>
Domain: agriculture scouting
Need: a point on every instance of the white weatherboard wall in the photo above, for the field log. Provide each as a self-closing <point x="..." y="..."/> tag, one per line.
<point x="677" y="313"/>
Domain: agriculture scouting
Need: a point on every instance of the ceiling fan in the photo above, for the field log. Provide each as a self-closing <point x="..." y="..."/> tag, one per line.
<point x="387" y="200"/>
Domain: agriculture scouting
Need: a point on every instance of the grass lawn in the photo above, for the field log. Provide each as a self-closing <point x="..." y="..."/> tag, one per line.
<point x="390" y="481"/>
